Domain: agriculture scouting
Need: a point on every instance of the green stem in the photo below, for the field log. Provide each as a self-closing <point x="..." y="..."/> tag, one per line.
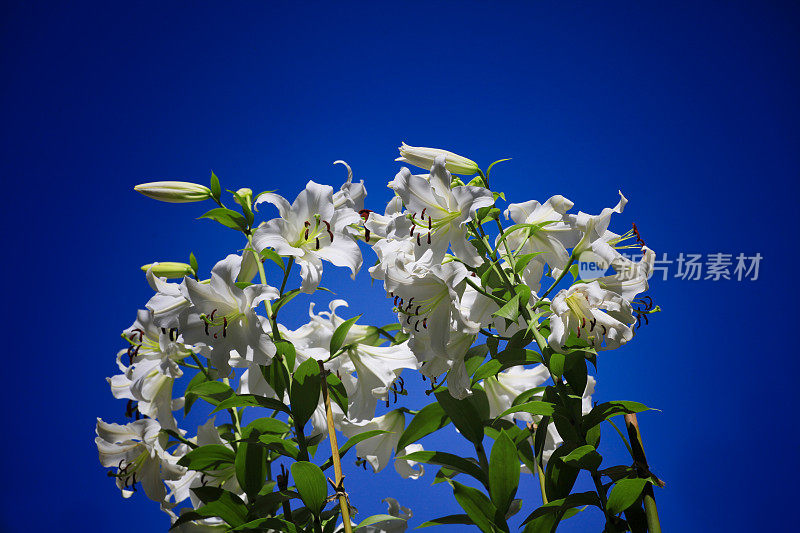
<point x="484" y="462"/>
<point x="286" y="273"/>
<point x="200" y="365"/>
<point x="540" y="473"/>
<point x="558" y="279"/>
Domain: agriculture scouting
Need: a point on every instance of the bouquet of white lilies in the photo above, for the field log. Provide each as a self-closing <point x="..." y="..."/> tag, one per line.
<point x="496" y="317"/>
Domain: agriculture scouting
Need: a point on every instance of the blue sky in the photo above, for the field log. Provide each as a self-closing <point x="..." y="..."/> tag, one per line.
<point x="690" y="109"/>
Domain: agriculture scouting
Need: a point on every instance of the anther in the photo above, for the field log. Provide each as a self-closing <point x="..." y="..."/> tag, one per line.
<point x="422" y="216"/>
<point x="604" y="329"/>
<point x="211" y="316"/>
<point x="305" y="235"/>
<point x="416" y="311"/>
<point x="579" y="333"/>
<point x="583" y="321"/>
<point x="408" y="320"/>
<point x="395" y="299"/>
<point x="592" y="322"/>
<point x="411" y="233"/>
<point x="416" y="326"/>
<point x="205" y="323"/>
<point x="317" y="243"/>
<point x="163" y="331"/>
<point x="224" y="326"/>
<point x="429" y="237"/>
<point x="425" y="323"/>
<point x="418" y="243"/>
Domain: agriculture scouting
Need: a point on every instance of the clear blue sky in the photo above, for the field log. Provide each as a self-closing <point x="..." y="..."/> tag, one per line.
<point x="690" y="109"/>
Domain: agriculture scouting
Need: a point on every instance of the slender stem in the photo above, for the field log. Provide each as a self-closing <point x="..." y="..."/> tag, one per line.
<point x="540" y="473"/>
<point x="200" y="365"/>
<point x="234" y="415"/>
<point x="337" y="462"/>
<point x="286" y="273"/>
<point x="650" y="510"/>
<point x="558" y="279"/>
<point x="261" y="274"/>
<point x="479" y="449"/>
<point x="485" y="293"/>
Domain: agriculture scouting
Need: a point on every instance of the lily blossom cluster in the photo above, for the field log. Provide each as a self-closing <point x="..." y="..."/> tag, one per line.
<point x="494" y="318"/>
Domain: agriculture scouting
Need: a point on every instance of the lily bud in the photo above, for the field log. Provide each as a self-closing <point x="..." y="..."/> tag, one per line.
<point x="244" y="197"/>
<point x="423" y="158"/>
<point x="169" y="269"/>
<point x="174" y="191"/>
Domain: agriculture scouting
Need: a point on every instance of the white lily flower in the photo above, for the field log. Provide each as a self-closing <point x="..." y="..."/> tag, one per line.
<point x="549" y="241"/>
<point x="594" y="227"/>
<point x="629" y="279"/>
<point x="377" y="226"/>
<point x="222" y="317"/>
<point x="502" y="390"/>
<point x="376" y="367"/>
<point x="136" y="451"/>
<point x="168" y="302"/>
<point x="437" y="215"/>
<point x="592" y="313"/>
<point x="174" y="191"/>
<point x="180" y="488"/>
<point x="424" y="158"/>
<point x="350" y="194"/>
<point x="311" y="229"/>
<point x="377" y="450"/>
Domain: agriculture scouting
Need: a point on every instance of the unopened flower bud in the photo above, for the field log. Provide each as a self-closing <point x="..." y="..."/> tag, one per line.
<point x="169" y="269"/>
<point x="423" y="158"/>
<point x="244" y="197"/>
<point x="174" y="191"/>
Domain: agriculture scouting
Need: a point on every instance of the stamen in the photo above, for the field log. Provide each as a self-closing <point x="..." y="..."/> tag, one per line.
<point x="425" y="323"/>
<point x="418" y="243"/>
<point x="408" y="320"/>
<point x="416" y="326"/>
<point x="422" y="216"/>
<point x="395" y="299"/>
<point x="429" y="237"/>
<point x="224" y="326"/>
<point x="579" y="333"/>
<point x="211" y="316"/>
<point x="205" y="326"/>
<point x="408" y="306"/>
<point x="638" y="236"/>
<point x="411" y="233"/>
<point x="317" y="243"/>
<point x="592" y="322"/>
<point x="604" y="329"/>
<point x="416" y="311"/>
<point x="583" y="321"/>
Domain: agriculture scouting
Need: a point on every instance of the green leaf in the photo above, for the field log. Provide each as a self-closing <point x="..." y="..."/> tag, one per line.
<point x="624" y="494"/>
<point x="337" y="392"/>
<point x="250" y="400"/>
<point x="559" y="476"/>
<point x="510" y="310"/>
<point x="267" y="524"/>
<point x="606" y="410"/>
<point x="488" y="369"/>
<point x="273" y="256"/>
<point x="585" y="457"/>
<point x="352" y="441"/>
<point x="251" y="461"/>
<point x="227" y="217"/>
<point x="526" y="396"/>
<point x="429" y="419"/>
<point x="220" y="503"/>
<point x="213" y="392"/>
<point x="287" y="297"/>
<point x="465" y="414"/>
<point x="522" y="261"/>
<point x="216" y="189"/>
<point x="285" y="447"/>
<point x="276" y="374"/>
<point x="557" y="364"/>
<point x="448" y="520"/>
<point x="449" y="460"/>
<point x="503" y="473"/>
<point x="210" y="457"/>
<point x="524" y="293"/>
<point x="341" y="334"/>
<point x="193" y="263"/>
<point x="310" y="483"/>
<point x="304" y="394"/>
<point x="286" y="350"/>
<point x="375" y="519"/>
<point x="489" y="170"/>
<point x="559" y="507"/>
<point x="267" y="425"/>
<point x="535" y="408"/>
<point x="479" y="508"/>
<point x="575" y="372"/>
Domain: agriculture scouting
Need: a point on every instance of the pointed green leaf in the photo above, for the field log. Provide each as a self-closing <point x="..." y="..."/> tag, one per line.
<point x="535" y="408"/>
<point x="503" y="473"/>
<point x="429" y="419"/>
<point x="341" y="334"/>
<point x="310" y="483"/>
<point x="585" y="457"/>
<point x="226" y="217"/>
<point x="606" y="410"/>
<point x="467" y="414"/>
<point x="448" y="520"/>
<point x="352" y="441"/>
<point x="449" y="460"/>
<point x="304" y="394"/>
<point x="510" y="310"/>
<point x="250" y="400"/>
<point x="479" y="508"/>
<point x="216" y="189"/>
<point x="624" y="494"/>
<point x="210" y="457"/>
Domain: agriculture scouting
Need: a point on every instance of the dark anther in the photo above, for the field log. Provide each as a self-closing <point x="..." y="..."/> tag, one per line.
<point x="579" y="333"/>
<point x="163" y="331"/>
<point x="387" y="400"/>
<point x="408" y="305"/>
<point x="416" y="325"/>
<point x="307" y="223"/>
<point x="592" y="322"/>
<point x="422" y="216"/>
<point x="429" y="237"/>
<point x="206" y="326"/>
<point x="395" y="299"/>
<point x="215" y="335"/>
<point x="418" y="243"/>
<point x="408" y="320"/>
<point x="305" y="235"/>
<point x="129" y="409"/>
<point x="328" y="226"/>
<point x="638" y="235"/>
<point x="402" y="382"/>
<point x="583" y="321"/>
<point x="411" y="233"/>
<point x="423" y="377"/>
<point x="224" y="326"/>
<point x="416" y="311"/>
<point x="173" y="332"/>
<point x="211" y="316"/>
<point x="366" y="235"/>
<point x="604" y="329"/>
<point x="425" y="322"/>
<point x="395" y="395"/>
<point x="203" y="479"/>
<point x="365" y="214"/>
<point x="140" y="332"/>
<point x="430" y="224"/>
<point x="317" y="243"/>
